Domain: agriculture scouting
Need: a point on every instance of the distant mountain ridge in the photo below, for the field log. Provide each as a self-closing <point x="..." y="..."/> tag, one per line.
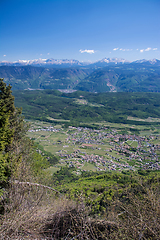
<point x="75" y="63"/>
<point x="45" y="63"/>
<point x="106" y="75"/>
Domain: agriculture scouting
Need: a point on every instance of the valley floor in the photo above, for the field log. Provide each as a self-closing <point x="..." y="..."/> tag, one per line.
<point x="112" y="147"/>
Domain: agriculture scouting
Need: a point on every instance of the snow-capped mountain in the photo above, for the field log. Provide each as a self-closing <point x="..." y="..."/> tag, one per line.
<point x="152" y="61"/>
<point x="45" y="63"/>
<point x="75" y="63"/>
<point x="114" y="60"/>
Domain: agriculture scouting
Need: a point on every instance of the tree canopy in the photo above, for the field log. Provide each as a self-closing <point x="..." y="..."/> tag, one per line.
<point x="19" y="159"/>
<point x="12" y="130"/>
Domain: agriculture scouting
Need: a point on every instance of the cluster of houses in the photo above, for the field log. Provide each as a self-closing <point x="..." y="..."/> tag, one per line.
<point x="46" y="129"/>
<point x="101" y="163"/>
<point x="121" y="151"/>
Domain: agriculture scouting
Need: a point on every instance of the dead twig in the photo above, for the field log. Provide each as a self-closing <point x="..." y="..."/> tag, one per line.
<point x="35" y="184"/>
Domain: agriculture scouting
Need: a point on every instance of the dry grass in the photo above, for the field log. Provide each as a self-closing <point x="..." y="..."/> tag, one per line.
<point x="140" y="217"/>
<point x="35" y="212"/>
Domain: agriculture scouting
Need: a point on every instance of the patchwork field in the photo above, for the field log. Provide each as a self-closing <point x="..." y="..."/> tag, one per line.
<point x="113" y="147"/>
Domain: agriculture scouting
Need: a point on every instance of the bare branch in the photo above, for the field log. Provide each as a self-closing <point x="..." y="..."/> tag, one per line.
<point x="36" y="184"/>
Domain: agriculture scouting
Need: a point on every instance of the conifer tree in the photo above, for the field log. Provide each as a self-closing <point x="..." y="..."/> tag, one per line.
<point x="17" y="152"/>
<point x="12" y="128"/>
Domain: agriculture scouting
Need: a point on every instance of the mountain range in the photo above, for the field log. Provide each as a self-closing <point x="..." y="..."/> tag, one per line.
<point x="106" y="75"/>
<point x="75" y="63"/>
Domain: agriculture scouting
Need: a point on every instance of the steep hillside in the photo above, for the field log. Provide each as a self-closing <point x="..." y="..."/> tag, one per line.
<point x="131" y="77"/>
<point x="125" y="78"/>
<point x="100" y="81"/>
<point x="26" y="77"/>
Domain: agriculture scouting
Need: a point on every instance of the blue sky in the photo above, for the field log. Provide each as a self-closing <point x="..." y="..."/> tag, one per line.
<point x="86" y="30"/>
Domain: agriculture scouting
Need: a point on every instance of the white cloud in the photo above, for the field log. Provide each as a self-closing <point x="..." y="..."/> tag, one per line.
<point x="48" y="53"/>
<point x="4" y="55"/>
<point x="141" y="50"/>
<point x="115" y="49"/>
<point x="148" y="49"/>
<point x="41" y="54"/>
<point x="124" y="49"/>
<point x="87" y="51"/>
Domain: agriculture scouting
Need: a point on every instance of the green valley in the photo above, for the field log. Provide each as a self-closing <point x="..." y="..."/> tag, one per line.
<point x="80" y="166"/>
<point x="111" y="147"/>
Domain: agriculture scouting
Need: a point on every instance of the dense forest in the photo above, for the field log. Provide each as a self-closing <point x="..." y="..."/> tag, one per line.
<point x="100" y="205"/>
<point x="83" y="107"/>
<point x="131" y="77"/>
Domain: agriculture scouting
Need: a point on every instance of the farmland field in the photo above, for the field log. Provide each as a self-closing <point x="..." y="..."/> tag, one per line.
<point x="111" y="147"/>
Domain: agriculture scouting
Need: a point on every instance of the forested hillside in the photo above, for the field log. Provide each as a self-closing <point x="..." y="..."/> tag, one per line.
<point x="133" y="77"/>
<point x="42" y="78"/>
<point x="83" y="107"/>
<point x="125" y="78"/>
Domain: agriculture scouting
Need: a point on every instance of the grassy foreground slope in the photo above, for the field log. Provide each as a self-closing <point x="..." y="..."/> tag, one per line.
<point x="103" y="206"/>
